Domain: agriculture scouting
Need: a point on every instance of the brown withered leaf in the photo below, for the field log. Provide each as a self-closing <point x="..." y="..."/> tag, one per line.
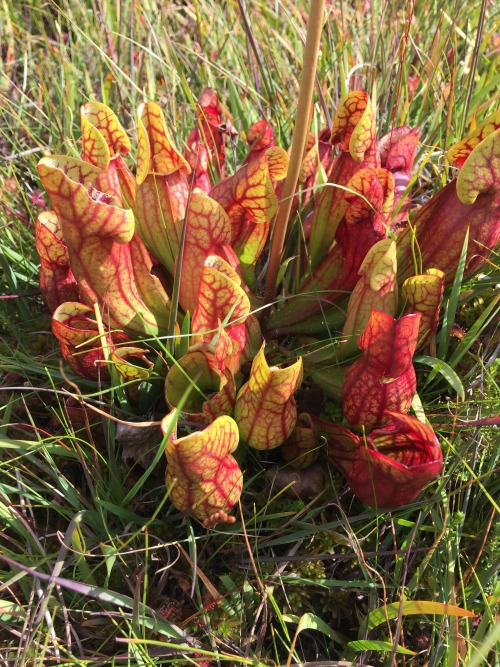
<point x="139" y="444"/>
<point x="305" y="483"/>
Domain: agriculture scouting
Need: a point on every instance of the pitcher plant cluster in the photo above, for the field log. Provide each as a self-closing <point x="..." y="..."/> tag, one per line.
<point x="159" y="272"/>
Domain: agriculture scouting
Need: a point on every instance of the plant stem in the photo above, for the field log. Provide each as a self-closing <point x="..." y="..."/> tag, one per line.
<point x="300" y="132"/>
<point x="473" y="69"/>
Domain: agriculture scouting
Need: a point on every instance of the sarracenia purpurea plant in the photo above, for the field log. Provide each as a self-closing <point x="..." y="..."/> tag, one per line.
<point x="161" y="269"/>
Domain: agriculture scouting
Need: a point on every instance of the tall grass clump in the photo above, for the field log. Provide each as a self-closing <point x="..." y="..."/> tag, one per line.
<point x="97" y="565"/>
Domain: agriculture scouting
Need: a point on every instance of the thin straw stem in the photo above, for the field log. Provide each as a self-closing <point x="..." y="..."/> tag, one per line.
<point x="300" y="133"/>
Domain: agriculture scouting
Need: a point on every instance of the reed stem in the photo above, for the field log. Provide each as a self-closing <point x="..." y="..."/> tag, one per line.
<point x="300" y="133"/>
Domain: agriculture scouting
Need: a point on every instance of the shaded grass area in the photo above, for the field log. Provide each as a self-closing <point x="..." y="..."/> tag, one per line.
<point x="103" y="570"/>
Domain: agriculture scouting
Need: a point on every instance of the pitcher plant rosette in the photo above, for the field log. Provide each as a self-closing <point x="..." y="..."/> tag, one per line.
<point x="158" y="271"/>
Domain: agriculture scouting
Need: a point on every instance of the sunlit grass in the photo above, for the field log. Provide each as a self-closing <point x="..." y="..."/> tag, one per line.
<point x="133" y="581"/>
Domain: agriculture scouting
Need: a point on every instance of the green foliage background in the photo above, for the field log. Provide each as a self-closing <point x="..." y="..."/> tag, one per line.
<point x="135" y="577"/>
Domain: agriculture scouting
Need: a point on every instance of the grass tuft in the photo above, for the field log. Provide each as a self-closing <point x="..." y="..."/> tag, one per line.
<point x="96" y="566"/>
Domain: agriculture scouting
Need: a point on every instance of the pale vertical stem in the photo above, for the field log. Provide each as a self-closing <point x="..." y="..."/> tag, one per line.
<point x="300" y="133"/>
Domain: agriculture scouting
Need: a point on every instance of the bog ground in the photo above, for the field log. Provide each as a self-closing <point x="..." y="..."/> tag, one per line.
<point x="102" y="560"/>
